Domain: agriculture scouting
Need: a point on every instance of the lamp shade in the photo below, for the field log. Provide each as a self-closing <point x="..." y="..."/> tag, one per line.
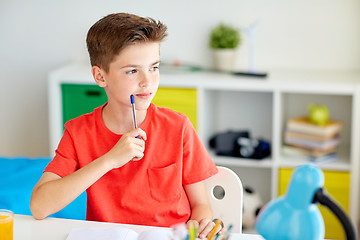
<point x="294" y="216"/>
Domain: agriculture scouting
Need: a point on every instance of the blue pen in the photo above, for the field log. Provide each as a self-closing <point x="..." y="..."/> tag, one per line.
<point x="133" y="110"/>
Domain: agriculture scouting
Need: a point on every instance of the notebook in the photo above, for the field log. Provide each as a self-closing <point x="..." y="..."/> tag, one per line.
<point x="118" y="233"/>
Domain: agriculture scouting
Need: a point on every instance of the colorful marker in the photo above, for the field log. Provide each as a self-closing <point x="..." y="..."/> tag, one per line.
<point x="228" y="232"/>
<point x="193" y="229"/>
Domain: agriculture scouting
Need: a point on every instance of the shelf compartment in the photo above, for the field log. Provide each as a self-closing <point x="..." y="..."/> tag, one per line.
<point x="241" y="162"/>
<point x="296" y="104"/>
<point x="341" y="164"/>
<point x="337" y="185"/>
<point x="254" y="178"/>
<point x="238" y="111"/>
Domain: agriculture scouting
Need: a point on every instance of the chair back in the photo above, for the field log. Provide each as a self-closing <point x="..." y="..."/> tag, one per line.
<point x="225" y="194"/>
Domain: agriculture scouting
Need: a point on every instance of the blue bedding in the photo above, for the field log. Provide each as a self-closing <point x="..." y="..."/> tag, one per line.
<point x="18" y="176"/>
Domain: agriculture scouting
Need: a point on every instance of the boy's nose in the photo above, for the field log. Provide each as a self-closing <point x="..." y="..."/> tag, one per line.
<point x="145" y="81"/>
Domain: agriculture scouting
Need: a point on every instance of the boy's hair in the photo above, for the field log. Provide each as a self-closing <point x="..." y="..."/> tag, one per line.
<point x="111" y="34"/>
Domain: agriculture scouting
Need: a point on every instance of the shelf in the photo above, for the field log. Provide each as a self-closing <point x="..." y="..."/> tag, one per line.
<point x="241" y="162"/>
<point x="259" y="105"/>
<point x="341" y="164"/>
<point x="338" y="165"/>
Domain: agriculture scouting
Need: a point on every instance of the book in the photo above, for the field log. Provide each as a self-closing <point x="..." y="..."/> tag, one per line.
<point x="312" y="144"/>
<point x="303" y="125"/>
<point x="316" y="158"/>
<point x="118" y="233"/>
<point x="324" y="159"/>
<point x="308" y="136"/>
<point x="305" y="152"/>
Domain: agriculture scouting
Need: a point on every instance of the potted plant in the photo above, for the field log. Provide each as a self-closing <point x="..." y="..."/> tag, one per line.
<point x="224" y="40"/>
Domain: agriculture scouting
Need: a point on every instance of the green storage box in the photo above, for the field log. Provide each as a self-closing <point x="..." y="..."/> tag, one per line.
<point x="78" y="99"/>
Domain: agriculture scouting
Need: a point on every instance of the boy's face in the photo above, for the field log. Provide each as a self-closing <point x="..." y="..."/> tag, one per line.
<point x="134" y="71"/>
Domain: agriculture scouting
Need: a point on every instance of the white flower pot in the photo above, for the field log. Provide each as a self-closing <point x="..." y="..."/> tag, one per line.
<point x="224" y="59"/>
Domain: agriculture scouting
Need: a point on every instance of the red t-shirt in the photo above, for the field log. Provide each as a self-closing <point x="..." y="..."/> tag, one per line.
<point x="145" y="192"/>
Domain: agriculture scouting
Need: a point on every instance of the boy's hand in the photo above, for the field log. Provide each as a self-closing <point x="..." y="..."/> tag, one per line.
<point x="205" y="227"/>
<point x="128" y="148"/>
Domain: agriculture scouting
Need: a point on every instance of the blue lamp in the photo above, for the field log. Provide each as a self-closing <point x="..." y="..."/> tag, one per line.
<point x="295" y="215"/>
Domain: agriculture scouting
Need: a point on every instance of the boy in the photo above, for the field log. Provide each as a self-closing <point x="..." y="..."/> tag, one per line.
<point x="151" y="175"/>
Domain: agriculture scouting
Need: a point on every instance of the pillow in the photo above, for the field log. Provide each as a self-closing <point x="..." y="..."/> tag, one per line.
<point x="18" y="176"/>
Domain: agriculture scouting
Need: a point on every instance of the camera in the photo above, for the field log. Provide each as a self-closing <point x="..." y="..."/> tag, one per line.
<point x="240" y="144"/>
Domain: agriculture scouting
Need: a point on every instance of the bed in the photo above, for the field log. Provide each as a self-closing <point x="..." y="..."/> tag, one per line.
<point x="18" y="176"/>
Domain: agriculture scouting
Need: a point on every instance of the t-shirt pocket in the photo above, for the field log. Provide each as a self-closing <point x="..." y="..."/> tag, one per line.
<point x="165" y="183"/>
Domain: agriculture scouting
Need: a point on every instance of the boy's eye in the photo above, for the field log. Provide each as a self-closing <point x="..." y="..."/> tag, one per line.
<point x="132" y="71"/>
<point x="154" y="68"/>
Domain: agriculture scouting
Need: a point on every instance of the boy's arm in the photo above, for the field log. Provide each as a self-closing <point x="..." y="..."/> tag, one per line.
<point x="200" y="207"/>
<point x="52" y="193"/>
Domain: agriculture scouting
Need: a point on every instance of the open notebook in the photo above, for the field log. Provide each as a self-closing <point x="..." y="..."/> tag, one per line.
<point x="118" y="233"/>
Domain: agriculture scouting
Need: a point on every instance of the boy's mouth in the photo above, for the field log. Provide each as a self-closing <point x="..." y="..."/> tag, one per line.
<point x="143" y="95"/>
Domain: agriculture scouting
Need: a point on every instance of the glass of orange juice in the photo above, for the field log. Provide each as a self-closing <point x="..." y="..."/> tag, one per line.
<point x="6" y="224"/>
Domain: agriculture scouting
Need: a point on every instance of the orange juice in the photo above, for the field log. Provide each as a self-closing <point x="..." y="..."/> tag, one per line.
<point x="6" y="225"/>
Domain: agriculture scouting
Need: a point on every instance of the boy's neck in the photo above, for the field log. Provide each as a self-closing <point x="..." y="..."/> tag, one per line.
<point x="120" y="120"/>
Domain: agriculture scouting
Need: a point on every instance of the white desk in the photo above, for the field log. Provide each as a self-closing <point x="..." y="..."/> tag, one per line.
<point x="27" y="228"/>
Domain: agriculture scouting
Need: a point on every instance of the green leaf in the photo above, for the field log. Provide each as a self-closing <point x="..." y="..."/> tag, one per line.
<point x="225" y="36"/>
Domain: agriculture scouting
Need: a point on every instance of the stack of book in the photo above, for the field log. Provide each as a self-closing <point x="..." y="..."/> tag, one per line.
<point x="317" y="143"/>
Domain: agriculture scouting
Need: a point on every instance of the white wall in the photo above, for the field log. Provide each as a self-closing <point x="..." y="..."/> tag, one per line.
<point x="37" y="36"/>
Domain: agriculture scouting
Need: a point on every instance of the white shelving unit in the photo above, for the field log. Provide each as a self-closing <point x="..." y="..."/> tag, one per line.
<point x="262" y="106"/>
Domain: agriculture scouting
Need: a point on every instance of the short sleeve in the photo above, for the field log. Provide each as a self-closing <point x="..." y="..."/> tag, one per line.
<point x="197" y="163"/>
<point x="65" y="160"/>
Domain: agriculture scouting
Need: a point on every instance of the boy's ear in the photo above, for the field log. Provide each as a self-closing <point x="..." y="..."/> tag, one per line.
<point x="98" y="75"/>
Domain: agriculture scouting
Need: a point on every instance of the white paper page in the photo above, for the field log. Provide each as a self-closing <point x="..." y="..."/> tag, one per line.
<point x="158" y="234"/>
<point x="108" y="233"/>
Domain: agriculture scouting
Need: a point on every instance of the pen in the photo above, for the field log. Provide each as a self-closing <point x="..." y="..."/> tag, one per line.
<point x="213" y="231"/>
<point x="133" y="110"/>
<point x="227" y="234"/>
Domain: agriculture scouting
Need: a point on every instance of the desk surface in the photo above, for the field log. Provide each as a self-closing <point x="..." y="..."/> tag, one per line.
<point x="26" y="227"/>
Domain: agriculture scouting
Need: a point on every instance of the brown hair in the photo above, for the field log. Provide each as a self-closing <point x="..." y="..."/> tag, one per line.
<point x="111" y="34"/>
